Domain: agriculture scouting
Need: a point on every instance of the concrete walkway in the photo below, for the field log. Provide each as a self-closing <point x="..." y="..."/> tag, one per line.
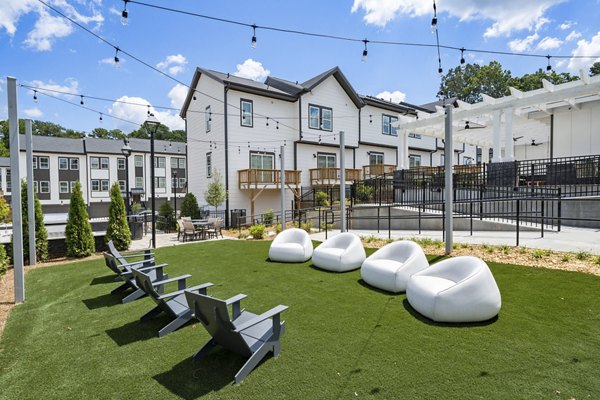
<point x="164" y="240"/>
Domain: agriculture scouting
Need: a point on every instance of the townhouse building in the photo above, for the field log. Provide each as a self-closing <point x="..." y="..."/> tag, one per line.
<point x="237" y="127"/>
<point x="97" y="163"/>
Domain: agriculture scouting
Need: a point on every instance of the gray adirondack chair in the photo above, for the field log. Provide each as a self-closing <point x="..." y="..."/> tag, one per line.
<point x="124" y="273"/>
<point x="247" y="334"/>
<point x="172" y="304"/>
<point x="124" y="256"/>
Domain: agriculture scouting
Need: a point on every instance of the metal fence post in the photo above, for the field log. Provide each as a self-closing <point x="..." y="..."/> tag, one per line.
<point x="389" y="222"/>
<point x="518" y="218"/>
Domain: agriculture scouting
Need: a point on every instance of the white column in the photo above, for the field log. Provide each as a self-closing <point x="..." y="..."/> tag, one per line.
<point x="448" y="190"/>
<point x="30" y="194"/>
<point x="403" y="149"/>
<point x="497" y="149"/>
<point x="509" y="143"/>
<point x="282" y="183"/>
<point x="342" y="182"/>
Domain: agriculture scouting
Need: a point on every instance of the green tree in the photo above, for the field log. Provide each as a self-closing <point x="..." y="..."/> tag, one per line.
<point x="189" y="206"/>
<point x="216" y="193"/>
<point x="533" y="81"/>
<point x="4" y="210"/>
<point x="162" y="133"/>
<point x="3" y="260"/>
<point x="118" y="229"/>
<point x="41" y="234"/>
<point x="78" y="233"/>
<point x="595" y="68"/>
<point x="468" y="84"/>
<point x="166" y="222"/>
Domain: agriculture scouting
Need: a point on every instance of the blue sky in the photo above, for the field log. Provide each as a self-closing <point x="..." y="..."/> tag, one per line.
<point x="40" y="48"/>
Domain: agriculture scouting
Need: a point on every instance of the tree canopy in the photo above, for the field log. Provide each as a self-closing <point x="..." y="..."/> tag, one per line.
<point x="595" y="68"/>
<point x="468" y="84"/>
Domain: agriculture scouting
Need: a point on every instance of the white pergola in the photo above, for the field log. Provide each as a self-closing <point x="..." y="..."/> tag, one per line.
<point x="502" y="123"/>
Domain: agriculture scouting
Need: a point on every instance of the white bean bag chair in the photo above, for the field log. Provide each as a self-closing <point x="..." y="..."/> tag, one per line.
<point x="390" y="267"/>
<point x="459" y="289"/>
<point x="291" y="245"/>
<point x="340" y="253"/>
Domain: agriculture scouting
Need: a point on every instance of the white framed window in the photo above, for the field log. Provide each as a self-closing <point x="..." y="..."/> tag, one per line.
<point x="182" y="163"/>
<point x="159" y="182"/>
<point x="208" y="165"/>
<point x="122" y="187"/>
<point x="159" y="162"/>
<point x="74" y="163"/>
<point x="94" y="163"/>
<point x="174" y="162"/>
<point x="386" y="125"/>
<point x="104" y="185"/>
<point x="326" y="160"/>
<point x="63" y="163"/>
<point x="63" y="187"/>
<point x="207" y="118"/>
<point x="95" y="184"/>
<point x="138" y="160"/>
<point x="139" y="182"/>
<point x="320" y="117"/>
<point x="182" y="182"/>
<point x="43" y="163"/>
<point x="414" y="135"/>
<point x="375" y="158"/>
<point x="44" y="187"/>
<point x="121" y="163"/>
<point x="35" y="163"/>
<point x="246" y="113"/>
<point x="72" y="186"/>
<point x="414" y="160"/>
<point x="103" y="162"/>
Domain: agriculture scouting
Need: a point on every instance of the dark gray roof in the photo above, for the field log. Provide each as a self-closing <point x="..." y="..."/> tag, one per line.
<point x="50" y="144"/>
<point x="389" y="105"/>
<point x="440" y="103"/>
<point x="285" y="85"/>
<point x="341" y="78"/>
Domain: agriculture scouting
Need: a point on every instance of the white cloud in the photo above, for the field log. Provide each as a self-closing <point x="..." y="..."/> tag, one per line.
<point x="566" y="25"/>
<point x="46" y="30"/>
<point x="251" y="69"/>
<point x="138" y="114"/>
<point x="506" y="16"/>
<point x="549" y="43"/>
<point x="177" y="95"/>
<point x="573" y="36"/>
<point x="174" y="64"/>
<point x="585" y="48"/>
<point x="11" y="11"/>
<point x="522" y="45"/>
<point x="71" y="86"/>
<point x="395" y="97"/>
<point x="33" y="112"/>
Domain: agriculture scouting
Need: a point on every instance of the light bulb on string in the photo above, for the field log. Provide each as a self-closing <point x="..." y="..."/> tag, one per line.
<point x="253" y="42"/>
<point x="463" y="66"/>
<point x="35" y="98"/>
<point x="81" y="101"/>
<point x="124" y="14"/>
<point x="116" y="56"/>
<point x="148" y="112"/>
<point x="277" y="125"/>
<point x="548" y="67"/>
<point x="434" y="19"/>
<point x="267" y="121"/>
<point x="365" y="51"/>
<point x="100" y="117"/>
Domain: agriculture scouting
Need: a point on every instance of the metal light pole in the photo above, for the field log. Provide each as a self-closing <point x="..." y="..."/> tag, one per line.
<point x="126" y="150"/>
<point x="153" y="123"/>
<point x="174" y="184"/>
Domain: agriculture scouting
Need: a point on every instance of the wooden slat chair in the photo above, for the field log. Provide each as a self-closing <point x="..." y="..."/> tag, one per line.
<point x="189" y="230"/>
<point x="247" y="334"/>
<point x="181" y="229"/>
<point x="173" y="304"/>
<point x="124" y="273"/>
<point x="214" y="229"/>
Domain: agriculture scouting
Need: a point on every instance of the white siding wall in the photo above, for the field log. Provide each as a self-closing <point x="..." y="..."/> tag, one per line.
<point x="577" y="132"/>
<point x="372" y="127"/>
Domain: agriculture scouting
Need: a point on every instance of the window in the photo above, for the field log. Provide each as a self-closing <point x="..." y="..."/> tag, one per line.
<point x="208" y="165"/>
<point x="35" y="162"/>
<point x="263" y="161"/>
<point x="174" y="162"/>
<point x="122" y="186"/>
<point x="375" y="158"/>
<point x="139" y="161"/>
<point x="120" y="163"/>
<point x="246" y="112"/>
<point x="94" y="162"/>
<point x="103" y="162"/>
<point x="491" y="154"/>
<point x="414" y="135"/>
<point x="320" y="118"/>
<point x="182" y="182"/>
<point x="414" y="160"/>
<point x="207" y="118"/>
<point x="182" y="163"/>
<point x="104" y="185"/>
<point x="63" y="163"/>
<point x="442" y="160"/>
<point x="44" y="187"/>
<point x="467" y="160"/>
<point x="174" y="183"/>
<point x="35" y="187"/>
<point x="139" y="182"/>
<point x="159" y="162"/>
<point x="478" y="155"/>
<point x="95" y="185"/>
<point x="43" y="163"/>
<point x="63" y="187"/>
<point x="325" y="160"/>
<point x="72" y="185"/>
<point x="159" y="182"/>
<point x="387" y="128"/>
<point x="74" y="163"/>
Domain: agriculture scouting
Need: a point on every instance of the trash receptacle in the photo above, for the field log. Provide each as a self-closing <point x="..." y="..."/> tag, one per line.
<point x="238" y="218"/>
<point x="136" y="228"/>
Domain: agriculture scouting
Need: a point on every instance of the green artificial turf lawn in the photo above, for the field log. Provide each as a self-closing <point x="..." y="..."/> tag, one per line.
<point x="343" y="339"/>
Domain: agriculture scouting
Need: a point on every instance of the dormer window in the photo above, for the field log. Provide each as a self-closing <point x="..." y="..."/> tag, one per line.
<point x="320" y="118"/>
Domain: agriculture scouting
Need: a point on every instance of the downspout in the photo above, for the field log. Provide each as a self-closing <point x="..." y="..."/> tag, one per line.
<point x="226" y="123"/>
<point x="458" y="153"/>
<point x="551" y="137"/>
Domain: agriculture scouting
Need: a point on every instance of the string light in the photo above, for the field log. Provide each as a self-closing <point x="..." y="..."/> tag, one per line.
<point x="253" y="43"/>
<point x="81" y="101"/>
<point x="370" y="119"/>
<point x="100" y="117"/>
<point x="148" y="112"/>
<point x="365" y="51"/>
<point x="116" y="56"/>
<point x="267" y="121"/>
<point x="434" y="19"/>
<point x="548" y="67"/>
<point x="124" y="14"/>
<point x="462" y="59"/>
<point x="35" y="99"/>
<point x="277" y="125"/>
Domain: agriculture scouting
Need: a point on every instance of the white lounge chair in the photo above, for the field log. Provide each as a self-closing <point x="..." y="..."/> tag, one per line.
<point x="291" y="245"/>
<point x="390" y="267"/>
<point x="340" y="253"/>
<point x="459" y="289"/>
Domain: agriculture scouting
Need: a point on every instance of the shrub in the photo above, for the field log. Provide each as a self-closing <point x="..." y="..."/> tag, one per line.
<point x="278" y="227"/>
<point x="326" y="227"/>
<point x="118" y="229"/>
<point x="322" y="199"/>
<point x="363" y="192"/>
<point x="189" y="207"/>
<point x="504" y="248"/>
<point x="538" y="253"/>
<point x="216" y="193"/>
<point x="597" y="261"/>
<point x="582" y="255"/>
<point x="257" y="231"/>
<point x="41" y="234"/>
<point x="166" y="222"/>
<point x="307" y="226"/>
<point x="3" y="260"/>
<point x="268" y="217"/>
<point x="78" y="232"/>
<point x="136" y="208"/>
<point x="565" y="258"/>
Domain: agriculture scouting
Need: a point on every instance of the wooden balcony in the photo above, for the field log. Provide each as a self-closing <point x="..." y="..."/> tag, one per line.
<point x="378" y="170"/>
<point x="331" y="176"/>
<point x="266" y="178"/>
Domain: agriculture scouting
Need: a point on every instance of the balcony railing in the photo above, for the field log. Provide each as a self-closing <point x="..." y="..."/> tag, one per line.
<point x="331" y="176"/>
<point x="376" y="170"/>
<point x="255" y="177"/>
